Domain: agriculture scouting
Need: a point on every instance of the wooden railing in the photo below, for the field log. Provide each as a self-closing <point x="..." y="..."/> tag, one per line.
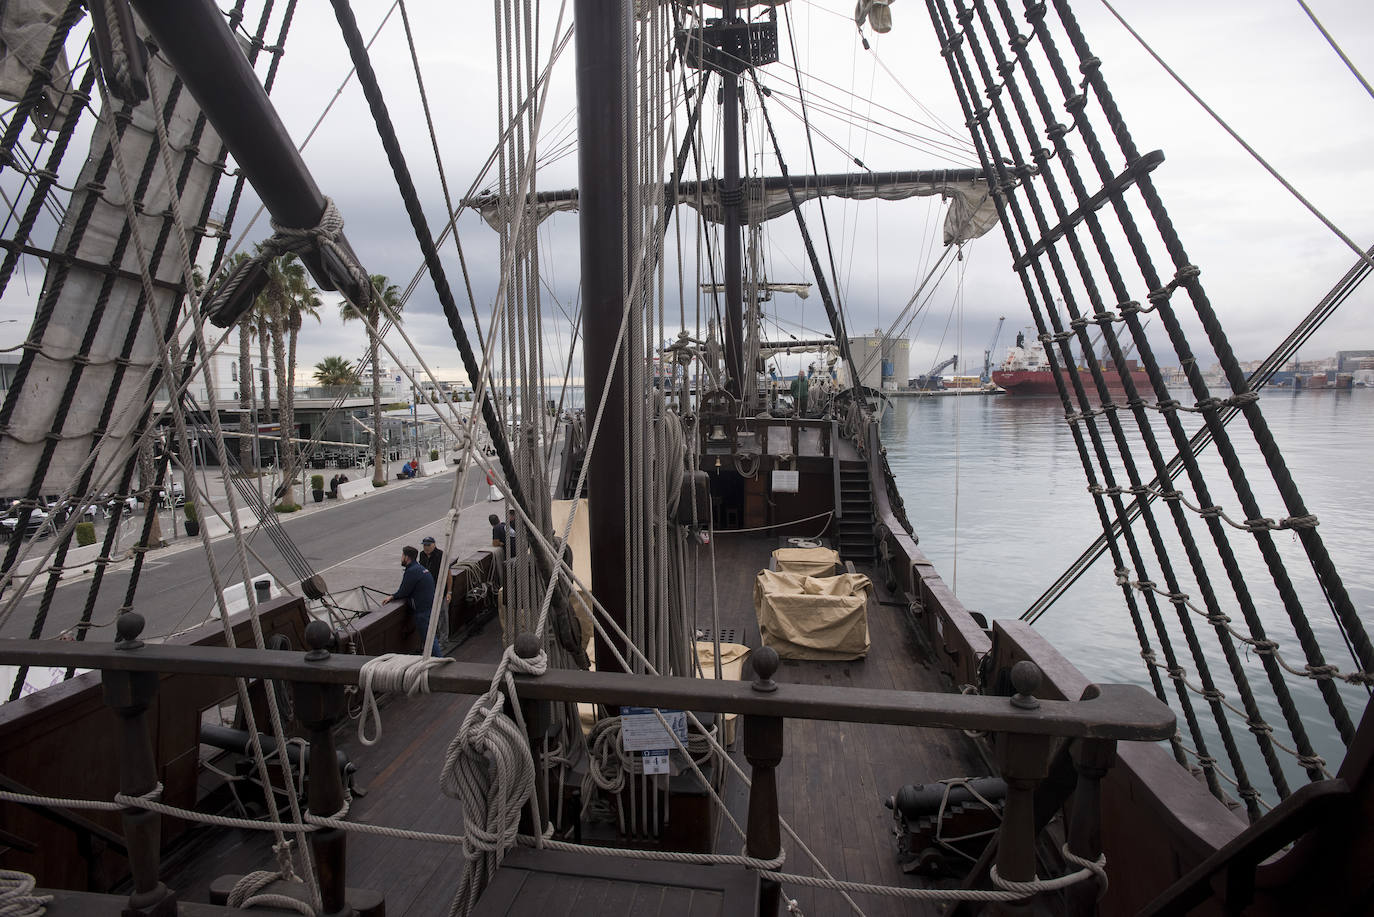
<point x="1155" y="809"/>
<point x="1029" y="732"/>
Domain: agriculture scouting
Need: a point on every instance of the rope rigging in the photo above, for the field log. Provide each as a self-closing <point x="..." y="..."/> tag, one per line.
<point x="1256" y="381"/>
<point x="491" y="768"/>
<point x="1045" y="273"/>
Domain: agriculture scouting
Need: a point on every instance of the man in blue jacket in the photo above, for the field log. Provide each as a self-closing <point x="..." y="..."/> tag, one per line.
<point x="417" y="587"/>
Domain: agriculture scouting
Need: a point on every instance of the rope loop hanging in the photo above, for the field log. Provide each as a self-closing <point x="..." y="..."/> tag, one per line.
<point x="388" y="673"/>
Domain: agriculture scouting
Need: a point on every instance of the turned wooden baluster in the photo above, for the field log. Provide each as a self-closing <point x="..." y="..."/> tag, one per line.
<point x="763" y="751"/>
<point x="1024" y="761"/>
<point x="1092" y="758"/>
<point x="320" y="707"/>
<point x="129" y="694"/>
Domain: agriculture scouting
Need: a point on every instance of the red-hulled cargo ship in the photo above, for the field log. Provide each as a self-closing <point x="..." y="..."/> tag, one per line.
<point x="1025" y="371"/>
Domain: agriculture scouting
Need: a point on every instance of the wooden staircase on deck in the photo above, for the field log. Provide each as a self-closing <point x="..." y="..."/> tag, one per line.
<point x="854" y="528"/>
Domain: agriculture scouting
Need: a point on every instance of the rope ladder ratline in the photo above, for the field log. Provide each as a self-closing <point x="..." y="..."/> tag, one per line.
<point x="148" y="424"/>
<point x="1038" y="293"/>
<point x="1198" y="568"/>
<point x="1301" y="333"/>
<point x="1019" y="176"/>
<point x="45" y="313"/>
<point x="1186" y="277"/>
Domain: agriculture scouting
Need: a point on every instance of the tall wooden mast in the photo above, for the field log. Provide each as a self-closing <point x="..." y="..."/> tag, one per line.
<point x="731" y="201"/>
<point x="605" y="109"/>
<point x="730" y="46"/>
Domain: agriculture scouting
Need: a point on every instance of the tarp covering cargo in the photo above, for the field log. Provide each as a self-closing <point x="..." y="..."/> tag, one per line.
<point x="813" y="617"/>
<point x="732" y="657"/>
<point x="807" y="561"/>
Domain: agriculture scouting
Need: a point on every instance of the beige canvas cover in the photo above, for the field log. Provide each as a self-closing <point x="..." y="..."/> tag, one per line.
<point x="810" y="617"/>
<point x="807" y="561"/>
<point x="732" y="657"/>
<point x="580" y="542"/>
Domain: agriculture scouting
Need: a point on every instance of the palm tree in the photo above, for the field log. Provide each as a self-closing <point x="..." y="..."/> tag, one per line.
<point x="262" y="327"/>
<point x="245" y="370"/>
<point x="305" y="300"/>
<point x="337" y="372"/>
<point x="372" y="312"/>
<point x="285" y="276"/>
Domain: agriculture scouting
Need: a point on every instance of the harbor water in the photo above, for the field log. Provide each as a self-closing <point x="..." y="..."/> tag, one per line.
<point x="996" y="491"/>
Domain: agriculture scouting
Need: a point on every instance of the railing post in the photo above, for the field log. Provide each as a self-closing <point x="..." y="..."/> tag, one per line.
<point x="763" y="743"/>
<point x="320" y="707"/>
<point x="129" y="694"/>
<point x="1024" y="761"/>
<point x="1092" y="758"/>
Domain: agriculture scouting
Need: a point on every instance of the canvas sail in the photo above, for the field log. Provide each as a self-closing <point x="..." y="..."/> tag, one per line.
<point x="971" y="209"/>
<point x="25" y="32"/>
<point x="71" y="295"/>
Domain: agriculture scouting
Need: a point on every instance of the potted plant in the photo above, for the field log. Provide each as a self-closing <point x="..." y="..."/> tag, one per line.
<point x="192" y="522"/>
<point x="434" y="455"/>
<point x="85" y="533"/>
<point x="317" y="487"/>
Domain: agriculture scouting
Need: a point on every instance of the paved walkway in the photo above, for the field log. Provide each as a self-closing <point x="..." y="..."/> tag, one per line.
<point x="351" y="543"/>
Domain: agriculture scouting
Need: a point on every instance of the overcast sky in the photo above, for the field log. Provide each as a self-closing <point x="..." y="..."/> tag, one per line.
<point x="1266" y="261"/>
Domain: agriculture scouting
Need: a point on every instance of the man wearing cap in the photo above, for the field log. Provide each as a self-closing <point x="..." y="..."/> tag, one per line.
<point x="417" y="587"/>
<point x="432" y="557"/>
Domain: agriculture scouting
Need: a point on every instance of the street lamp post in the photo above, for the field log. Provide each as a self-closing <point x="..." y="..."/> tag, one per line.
<point x="415" y="422"/>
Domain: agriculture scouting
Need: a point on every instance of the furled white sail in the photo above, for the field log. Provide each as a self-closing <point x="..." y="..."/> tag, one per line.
<point x="802" y="290"/>
<point x="971" y="211"/>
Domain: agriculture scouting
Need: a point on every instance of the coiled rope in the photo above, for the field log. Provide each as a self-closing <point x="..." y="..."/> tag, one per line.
<point x="16" y="895"/>
<point x="488" y="768"/>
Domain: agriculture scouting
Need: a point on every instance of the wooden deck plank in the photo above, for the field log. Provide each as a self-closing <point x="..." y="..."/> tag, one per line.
<point x="833" y="778"/>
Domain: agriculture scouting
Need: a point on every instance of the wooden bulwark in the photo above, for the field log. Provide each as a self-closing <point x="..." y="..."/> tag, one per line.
<point x="36" y="748"/>
<point x="1122" y="712"/>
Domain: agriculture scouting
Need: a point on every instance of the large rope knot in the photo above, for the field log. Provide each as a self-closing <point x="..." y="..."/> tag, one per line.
<point x="536" y="665"/>
<point x="489" y="769"/>
<point x="294" y="239"/>
<point x="1097" y="867"/>
<point x="325" y="240"/>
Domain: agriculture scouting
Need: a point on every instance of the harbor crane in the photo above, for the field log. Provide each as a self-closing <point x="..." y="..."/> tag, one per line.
<point x="930" y="382"/>
<point x="986" y="377"/>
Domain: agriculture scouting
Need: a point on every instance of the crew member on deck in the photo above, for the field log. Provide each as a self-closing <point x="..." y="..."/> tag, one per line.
<point x="799" y="392"/>
<point x="417" y="587"/>
<point x="432" y="557"/>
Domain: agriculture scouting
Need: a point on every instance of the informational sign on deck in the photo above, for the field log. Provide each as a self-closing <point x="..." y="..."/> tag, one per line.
<point x="786" y="482"/>
<point x="641" y="730"/>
